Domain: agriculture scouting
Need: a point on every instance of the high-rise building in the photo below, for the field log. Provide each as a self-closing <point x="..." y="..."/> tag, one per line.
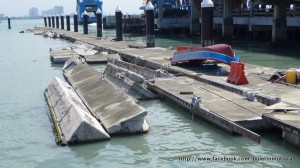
<point x="48" y="12"/>
<point x="58" y="10"/>
<point x="33" y="12"/>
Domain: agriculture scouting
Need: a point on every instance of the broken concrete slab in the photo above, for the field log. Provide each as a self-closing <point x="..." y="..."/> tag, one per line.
<point x="73" y="122"/>
<point x="99" y="57"/>
<point x="61" y="56"/>
<point x="83" y="49"/>
<point x="118" y="112"/>
<point x="129" y="81"/>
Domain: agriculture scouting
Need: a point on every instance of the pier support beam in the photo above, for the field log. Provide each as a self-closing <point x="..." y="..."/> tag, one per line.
<point x="195" y="24"/>
<point x="119" y="29"/>
<point x="57" y="21"/>
<point x="85" y="22"/>
<point x="49" y="21"/>
<point x="68" y="22"/>
<point x="160" y="12"/>
<point x="62" y="22"/>
<point x="279" y="27"/>
<point x="160" y="9"/>
<point x="75" y="17"/>
<point x="99" y="22"/>
<point x="227" y="27"/>
<point x="207" y="23"/>
<point x="53" y="23"/>
<point x="150" y="25"/>
<point x="45" y="21"/>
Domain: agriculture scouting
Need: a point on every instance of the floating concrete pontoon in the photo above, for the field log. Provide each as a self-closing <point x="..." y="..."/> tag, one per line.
<point x="72" y="120"/>
<point x="81" y="49"/>
<point x="289" y="122"/>
<point x="118" y="112"/>
<point x="226" y="109"/>
<point x="152" y="59"/>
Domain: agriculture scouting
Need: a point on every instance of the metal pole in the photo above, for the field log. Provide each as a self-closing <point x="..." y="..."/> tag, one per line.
<point x="150" y="25"/>
<point x="99" y="22"/>
<point x="8" y="20"/>
<point x="118" y="14"/>
<point x="53" y="23"/>
<point x="207" y="17"/>
<point x="45" y="21"/>
<point x="75" y="23"/>
<point x="57" y="21"/>
<point x="49" y="21"/>
<point x="68" y="22"/>
<point x="85" y="22"/>
<point x="62" y="21"/>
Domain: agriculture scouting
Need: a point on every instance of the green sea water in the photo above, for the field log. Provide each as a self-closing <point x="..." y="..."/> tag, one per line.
<point x="174" y="140"/>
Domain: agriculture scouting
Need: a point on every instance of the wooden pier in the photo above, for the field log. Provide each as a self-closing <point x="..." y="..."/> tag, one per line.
<point x="221" y="103"/>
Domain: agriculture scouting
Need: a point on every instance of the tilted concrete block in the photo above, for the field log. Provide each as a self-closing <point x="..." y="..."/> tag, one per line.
<point x="75" y="122"/>
<point x="118" y="112"/>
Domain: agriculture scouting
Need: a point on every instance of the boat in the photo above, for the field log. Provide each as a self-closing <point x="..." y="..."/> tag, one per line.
<point x="220" y="53"/>
<point x="90" y="6"/>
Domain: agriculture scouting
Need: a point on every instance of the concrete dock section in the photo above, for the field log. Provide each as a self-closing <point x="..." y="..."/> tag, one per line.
<point x="221" y="103"/>
<point x="61" y="56"/>
<point x="289" y="122"/>
<point x="118" y="112"/>
<point x="72" y="121"/>
<point x="225" y="106"/>
<point x="129" y="81"/>
<point x="99" y="57"/>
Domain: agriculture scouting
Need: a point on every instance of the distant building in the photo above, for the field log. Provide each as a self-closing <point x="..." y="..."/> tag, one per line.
<point x="1" y="16"/>
<point x="33" y="12"/>
<point x="58" y="10"/>
<point x="48" y="12"/>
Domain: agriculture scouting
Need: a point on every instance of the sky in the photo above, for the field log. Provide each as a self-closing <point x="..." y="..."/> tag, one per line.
<point x="21" y="7"/>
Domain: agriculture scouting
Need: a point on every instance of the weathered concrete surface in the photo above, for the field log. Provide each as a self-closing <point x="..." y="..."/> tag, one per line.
<point x="226" y="110"/>
<point x="145" y="71"/>
<point x="83" y="49"/>
<point x="289" y="122"/>
<point x="222" y="102"/>
<point x="74" y="122"/>
<point x="115" y="71"/>
<point x="267" y="92"/>
<point x="61" y="56"/>
<point x="117" y="111"/>
<point x="217" y="100"/>
<point x="158" y="58"/>
<point x="100" y="57"/>
<point x="73" y="61"/>
<point x="129" y="81"/>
